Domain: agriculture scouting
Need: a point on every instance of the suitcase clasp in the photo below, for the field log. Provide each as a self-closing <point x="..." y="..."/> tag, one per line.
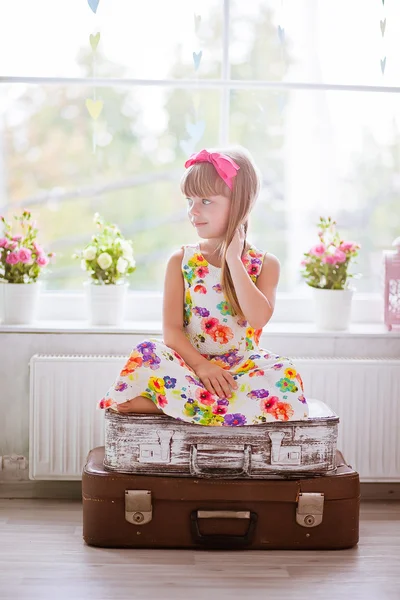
<point x="159" y="452"/>
<point x="283" y="455"/>
<point x="138" y="507"/>
<point x="310" y="509"/>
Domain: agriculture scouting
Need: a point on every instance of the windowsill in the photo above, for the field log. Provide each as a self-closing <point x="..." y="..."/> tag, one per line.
<point x="58" y="311"/>
<point x="365" y="330"/>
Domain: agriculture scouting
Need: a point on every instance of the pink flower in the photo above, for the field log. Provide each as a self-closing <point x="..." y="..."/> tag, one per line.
<point x="3" y="242"/>
<point x="349" y="246"/>
<point x="202" y="272"/>
<point x="330" y="259"/>
<point x="42" y="260"/>
<point x="12" y="258"/>
<point x="162" y="400"/>
<point x="205" y="397"/>
<point x="11" y="245"/>
<point x="17" y="238"/>
<point x="268" y="405"/>
<point x="38" y="249"/>
<point x="340" y="256"/>
<point x="25" y="255"/>
<point x="304" y="263"/>
<point x="209" y="324"/>
<point x="318" y="250"/>
<point x="220" y="410"/>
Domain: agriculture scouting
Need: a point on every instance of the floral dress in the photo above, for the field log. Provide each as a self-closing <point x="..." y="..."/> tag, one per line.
<point x="269" y="386"/>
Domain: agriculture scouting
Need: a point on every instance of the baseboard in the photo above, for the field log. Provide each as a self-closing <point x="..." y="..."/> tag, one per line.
<point x="380" y="491"/>
<point x="73" y="490"/>
<point x="41" y="489"/>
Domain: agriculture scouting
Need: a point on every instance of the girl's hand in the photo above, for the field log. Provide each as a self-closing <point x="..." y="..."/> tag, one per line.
<point x="216" y="379"/>
<point x="236" y="246"/>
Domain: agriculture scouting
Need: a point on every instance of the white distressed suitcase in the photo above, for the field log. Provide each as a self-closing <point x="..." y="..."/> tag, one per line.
<point x="161" y="445"/>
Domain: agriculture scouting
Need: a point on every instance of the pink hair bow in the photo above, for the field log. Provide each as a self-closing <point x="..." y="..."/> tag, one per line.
<point x="224" y="165"/>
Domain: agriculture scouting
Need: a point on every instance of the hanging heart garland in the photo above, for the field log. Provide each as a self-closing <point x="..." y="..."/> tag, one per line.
<point x="93" y="5"/>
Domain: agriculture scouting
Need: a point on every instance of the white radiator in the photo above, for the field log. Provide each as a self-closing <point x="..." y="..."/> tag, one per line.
<point x="65" y="424"/>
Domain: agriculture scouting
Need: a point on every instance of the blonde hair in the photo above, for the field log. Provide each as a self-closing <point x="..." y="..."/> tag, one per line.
<point x="201" y="180"/>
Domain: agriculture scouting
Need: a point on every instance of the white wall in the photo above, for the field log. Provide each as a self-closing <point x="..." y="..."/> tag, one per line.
<point x="17" y="348"/>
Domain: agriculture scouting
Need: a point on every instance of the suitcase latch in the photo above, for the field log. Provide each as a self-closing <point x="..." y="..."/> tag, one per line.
<point x="283" y="455"/>
<point x="138" y="506"/>
<point x="310" y="509"/>
<point x="158" y="452"/>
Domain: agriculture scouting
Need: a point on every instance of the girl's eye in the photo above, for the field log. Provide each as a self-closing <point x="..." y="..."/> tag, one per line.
<point x="203" y="200"/>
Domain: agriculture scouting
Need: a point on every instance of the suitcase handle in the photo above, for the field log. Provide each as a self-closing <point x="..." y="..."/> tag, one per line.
<point x="197" y="471"/>
<point x="223" y="541"/>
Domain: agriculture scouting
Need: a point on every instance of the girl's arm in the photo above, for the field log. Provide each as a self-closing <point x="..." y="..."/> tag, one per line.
<point x="257" y="301"/>
<point x="173" y="301"/>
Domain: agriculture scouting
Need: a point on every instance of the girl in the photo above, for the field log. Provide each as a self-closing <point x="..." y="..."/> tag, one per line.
<point x="218" y="295"/>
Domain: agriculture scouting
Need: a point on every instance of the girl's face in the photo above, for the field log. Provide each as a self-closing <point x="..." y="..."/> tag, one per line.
<point x="209" y="215"/>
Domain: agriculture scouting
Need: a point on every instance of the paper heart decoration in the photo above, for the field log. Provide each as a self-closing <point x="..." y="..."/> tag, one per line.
<point x="197" y="59"/>
<point x="383" y="65"/>
<point x="197" y="21"/>
<point x="94" y="40"/>
<point x="383" y="27"/>
<point x="93" y="4"/>
<point x="94" y="108"/>
<point x="281" y="34"/>
<point x="196" y="130"/>
<point x="187" y="146"/>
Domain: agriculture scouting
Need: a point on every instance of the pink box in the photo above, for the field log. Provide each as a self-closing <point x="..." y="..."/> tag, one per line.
<point x="392" y="287"/>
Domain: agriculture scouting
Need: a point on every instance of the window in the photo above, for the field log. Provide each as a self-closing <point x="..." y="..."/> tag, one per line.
<point x="298" y="82"/>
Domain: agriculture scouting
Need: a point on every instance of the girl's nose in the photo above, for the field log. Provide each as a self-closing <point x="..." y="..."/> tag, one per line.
<point x="193" y="211"/>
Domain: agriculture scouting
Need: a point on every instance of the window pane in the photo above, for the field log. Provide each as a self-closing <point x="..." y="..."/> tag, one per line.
<point x="332" y="153"/>
<point x="323" y="153"/>
<point x="144" y="136"/>
<point x="320" y="41"/>
<point x="152" y="39"/>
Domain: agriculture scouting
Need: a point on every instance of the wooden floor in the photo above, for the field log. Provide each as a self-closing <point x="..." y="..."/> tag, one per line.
<point x="43" y="556"/>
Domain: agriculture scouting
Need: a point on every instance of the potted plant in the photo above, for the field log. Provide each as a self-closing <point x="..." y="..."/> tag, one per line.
<point x="325" y="268"/>
<point x="108" y="258"/>
<point x="22" y="260"/>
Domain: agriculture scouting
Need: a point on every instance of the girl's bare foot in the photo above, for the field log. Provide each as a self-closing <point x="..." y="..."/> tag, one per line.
<point x="140" y="404"/>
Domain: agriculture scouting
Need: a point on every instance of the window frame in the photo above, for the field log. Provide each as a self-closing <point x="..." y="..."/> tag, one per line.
<point x="146" y="305"/>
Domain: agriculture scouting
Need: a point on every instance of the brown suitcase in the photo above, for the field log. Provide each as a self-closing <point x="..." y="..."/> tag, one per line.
<point x="143" y="511"/>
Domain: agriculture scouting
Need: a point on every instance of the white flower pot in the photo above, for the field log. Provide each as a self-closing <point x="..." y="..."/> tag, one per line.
<point x="19" y="302"/>
<point x="106" y="303"/>
<point x="332" y="309"/>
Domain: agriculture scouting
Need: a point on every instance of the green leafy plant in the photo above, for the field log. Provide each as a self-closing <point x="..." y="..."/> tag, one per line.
<point x="108" y="257"/>
<point x="326" y="264"/>
<point x="22" y="259"/>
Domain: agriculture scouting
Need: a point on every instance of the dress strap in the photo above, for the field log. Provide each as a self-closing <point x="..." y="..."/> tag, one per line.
<point x="254" y="262"/>
<point x="188" y="251"/>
